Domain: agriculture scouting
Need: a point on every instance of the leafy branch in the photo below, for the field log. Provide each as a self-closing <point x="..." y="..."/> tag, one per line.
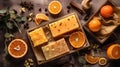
<point x="9" y="22"/>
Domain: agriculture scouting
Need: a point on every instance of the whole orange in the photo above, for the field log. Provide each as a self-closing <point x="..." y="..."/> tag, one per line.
<point x="94" y="25"/>
<point x="106" y="11"/>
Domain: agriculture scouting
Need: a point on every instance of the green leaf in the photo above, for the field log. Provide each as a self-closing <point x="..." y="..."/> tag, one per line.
<point x="24" y="19"/>
<point x="12" y="16"/>
<point x="5" y="49"/>
<point x="17" y="26"/>
<point x="81" y="60"/>
<point x="85" y="65"/>
<point x="9" y="25"/>
<point x="18" y="19"/>
<point x="12" y="11"/>
<point x="3" y="11"/>
<point x="8" y="35"/>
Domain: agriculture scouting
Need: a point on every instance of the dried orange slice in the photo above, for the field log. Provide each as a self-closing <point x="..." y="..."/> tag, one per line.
<point x="77" y="39"/>
<point x="102" y="61"/>
<point x="17" y="48"/>
<point x="39" y="17"/>
<point x="91" y="59"/>
<point x="113" y="52"/>
<point x="54" y="7"/>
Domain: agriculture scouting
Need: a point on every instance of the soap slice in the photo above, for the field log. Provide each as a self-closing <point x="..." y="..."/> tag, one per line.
<point x="38" y="36"/>
<point x="64" y="25"/>
<point x="55" y="49"/>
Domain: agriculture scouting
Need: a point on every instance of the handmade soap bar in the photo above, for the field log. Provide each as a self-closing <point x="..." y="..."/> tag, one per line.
<point x="38" y="36"/>
<point x="64" y="25"/>
<point x="54" y="49"/>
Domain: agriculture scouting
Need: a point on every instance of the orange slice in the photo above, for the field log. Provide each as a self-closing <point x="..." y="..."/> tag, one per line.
<point x="102" y="61"/>
<point x="39" y="17"/>
<point x="113" y="52"/>
<point x="17" y="48"/>
<point x="77" y="39"/>
<point x="54" y="7"/>
<point x="91" y="59"/>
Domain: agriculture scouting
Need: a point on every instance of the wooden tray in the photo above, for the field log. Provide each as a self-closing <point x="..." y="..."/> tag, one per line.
<point x="98" y="36"/>
<point x="38" y="51"/>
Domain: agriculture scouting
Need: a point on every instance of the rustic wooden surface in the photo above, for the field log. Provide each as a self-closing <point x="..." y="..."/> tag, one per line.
<point x="7" y="62"/>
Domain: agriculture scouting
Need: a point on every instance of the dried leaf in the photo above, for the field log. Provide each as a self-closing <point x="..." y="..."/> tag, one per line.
<point x="9" y="25"/>
<point x="3" y="11"/>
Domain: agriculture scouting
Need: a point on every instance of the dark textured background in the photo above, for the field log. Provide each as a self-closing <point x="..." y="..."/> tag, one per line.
<point x="6" y="61"/>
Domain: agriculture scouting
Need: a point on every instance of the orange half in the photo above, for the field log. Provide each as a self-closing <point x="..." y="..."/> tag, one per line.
<point x="113" y="52"/>
<point x="17" y="48"/>
<point x="91" y="59"/>
<point x="77" y="39"/>
<point x="54" y="7"/>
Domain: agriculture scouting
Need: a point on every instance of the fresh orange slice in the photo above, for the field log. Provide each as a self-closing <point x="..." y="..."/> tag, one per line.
<point x="17" y="48"/>
<point x="54" y="7"/>
<point x="91" y="59"/>
<point x="40" y="17"/>
<point x="77" y="39"/>
<point x="113" y="52"/>
<point x="102" y="61"/>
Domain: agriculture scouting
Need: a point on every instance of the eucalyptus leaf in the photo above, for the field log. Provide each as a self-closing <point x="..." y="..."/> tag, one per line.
<point x="12" y="16"/>
<point x="18" y="19"/>
<point x="12" y="11"/>
<point x="86" y="66"/>
<point x="5" y="49"/>
<point x="24" y="19"/>
<point x="3" y="11"/>
<point x="81" y="60"/>
<point x="9" y="25"/>
<point x="8" y="35"/>
<point x="17" y="26"/>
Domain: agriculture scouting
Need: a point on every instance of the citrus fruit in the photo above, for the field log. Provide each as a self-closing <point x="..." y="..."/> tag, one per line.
<point x="54" y="7"/>
<point x="94" y="25"/>
<point x="39" y="17"/>
<point x="113" y="52"/>
<point x="102" y="61"/>
<point x="17" y="48"/>
<point x="77" y="39"/>
<point x="91" y="59"/>
<point x="106" y="11"/>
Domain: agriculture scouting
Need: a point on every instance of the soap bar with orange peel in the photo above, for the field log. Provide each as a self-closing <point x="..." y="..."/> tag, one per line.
<point x="38" y="36"/>
<point x="40" y="17"/>
<point x="54" y="49"/>
<point x="64" y="25"/>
